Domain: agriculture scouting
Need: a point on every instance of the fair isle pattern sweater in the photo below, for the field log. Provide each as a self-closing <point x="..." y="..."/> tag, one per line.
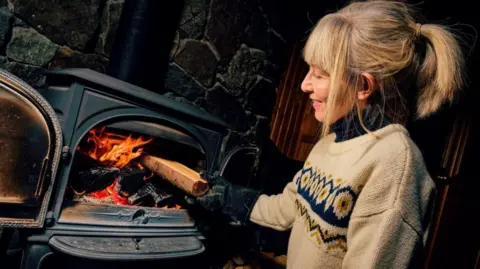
<point x="362" y="203"/>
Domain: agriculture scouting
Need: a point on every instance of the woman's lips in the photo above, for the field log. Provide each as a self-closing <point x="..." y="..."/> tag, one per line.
<point x="317" y="104"/>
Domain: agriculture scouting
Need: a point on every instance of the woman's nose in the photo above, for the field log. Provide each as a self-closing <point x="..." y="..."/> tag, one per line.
<point x="306" y="86"/>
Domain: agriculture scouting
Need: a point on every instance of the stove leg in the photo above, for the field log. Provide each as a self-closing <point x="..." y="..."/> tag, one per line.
<point x="33" y="256"/>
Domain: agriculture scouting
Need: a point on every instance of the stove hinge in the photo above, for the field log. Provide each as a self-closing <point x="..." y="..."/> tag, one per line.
<point x="66" y="154"/>
<point x="49" y="219"/>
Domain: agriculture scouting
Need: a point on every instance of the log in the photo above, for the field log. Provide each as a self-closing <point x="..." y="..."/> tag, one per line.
<point x="176" y="173"/>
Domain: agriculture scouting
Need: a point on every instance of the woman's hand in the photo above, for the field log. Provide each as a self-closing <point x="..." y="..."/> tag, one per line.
<point x="234" y="201"/>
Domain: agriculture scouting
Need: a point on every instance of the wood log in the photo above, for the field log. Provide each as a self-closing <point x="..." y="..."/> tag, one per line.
<point x="176" y="173"/>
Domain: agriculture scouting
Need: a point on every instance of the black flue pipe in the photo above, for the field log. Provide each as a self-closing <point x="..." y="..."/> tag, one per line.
<point x="143" y="42"/>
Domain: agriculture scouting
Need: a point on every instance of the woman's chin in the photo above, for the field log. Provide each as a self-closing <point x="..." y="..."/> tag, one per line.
<point x="320" y="116"/>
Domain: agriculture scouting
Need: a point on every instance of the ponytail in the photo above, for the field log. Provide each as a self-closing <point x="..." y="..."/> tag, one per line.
<point x="441" y="73"/>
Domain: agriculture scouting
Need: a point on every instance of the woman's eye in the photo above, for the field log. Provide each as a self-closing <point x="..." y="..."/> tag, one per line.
<point x="317" y="76"/>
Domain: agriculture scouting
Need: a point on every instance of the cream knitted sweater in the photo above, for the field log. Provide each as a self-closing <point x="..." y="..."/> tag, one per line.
<point x="363" y="203"/>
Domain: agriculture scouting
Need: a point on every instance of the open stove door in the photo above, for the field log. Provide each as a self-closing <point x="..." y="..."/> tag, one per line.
<point x="30" y="149"/>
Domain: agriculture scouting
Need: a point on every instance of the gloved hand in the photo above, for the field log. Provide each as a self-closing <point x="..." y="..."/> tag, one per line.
<point x="234" y="201"/>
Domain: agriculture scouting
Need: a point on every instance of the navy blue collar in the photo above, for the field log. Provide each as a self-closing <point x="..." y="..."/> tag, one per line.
<point x="349" y="127"/>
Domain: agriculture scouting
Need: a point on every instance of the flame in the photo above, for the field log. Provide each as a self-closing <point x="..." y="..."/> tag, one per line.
<point x="114" y="150"/>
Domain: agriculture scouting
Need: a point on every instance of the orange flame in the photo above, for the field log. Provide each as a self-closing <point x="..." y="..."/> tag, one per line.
<point x="114" y="150"/>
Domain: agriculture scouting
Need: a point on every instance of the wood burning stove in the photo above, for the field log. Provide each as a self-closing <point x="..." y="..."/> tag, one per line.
<point x="57" y="179"/>
<point x="60" y="177"/>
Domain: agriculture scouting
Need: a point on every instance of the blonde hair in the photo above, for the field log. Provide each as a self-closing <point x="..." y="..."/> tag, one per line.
<point x="408" y="61"/>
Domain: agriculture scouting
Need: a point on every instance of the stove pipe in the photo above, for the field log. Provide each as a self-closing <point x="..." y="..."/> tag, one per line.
<point x="143" y="42"/>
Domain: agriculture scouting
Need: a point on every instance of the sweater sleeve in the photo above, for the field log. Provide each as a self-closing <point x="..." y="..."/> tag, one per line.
<point x="382" y="241"/>
<point x="276" y="211"/>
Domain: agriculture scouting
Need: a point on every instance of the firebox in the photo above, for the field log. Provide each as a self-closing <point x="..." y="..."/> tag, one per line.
<point x="72" y="167"/>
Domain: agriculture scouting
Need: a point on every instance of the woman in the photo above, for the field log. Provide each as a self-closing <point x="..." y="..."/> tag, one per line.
<point x="364" y="196"/>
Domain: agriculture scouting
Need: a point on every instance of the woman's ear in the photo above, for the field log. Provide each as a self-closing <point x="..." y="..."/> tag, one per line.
<point x="368" y="86"/>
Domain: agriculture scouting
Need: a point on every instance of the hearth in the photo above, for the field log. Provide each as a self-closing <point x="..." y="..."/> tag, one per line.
<point x="82" y="184"/>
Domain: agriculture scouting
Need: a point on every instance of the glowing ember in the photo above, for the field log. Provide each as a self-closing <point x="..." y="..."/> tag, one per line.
<point x="174" y="207"/>
<point x="110" y="191"/>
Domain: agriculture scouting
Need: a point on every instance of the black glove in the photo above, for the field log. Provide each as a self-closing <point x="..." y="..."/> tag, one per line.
<point x="234" y="201"/>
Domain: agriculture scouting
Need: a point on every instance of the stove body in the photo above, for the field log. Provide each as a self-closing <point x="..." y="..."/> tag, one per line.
<point x="81" y="100"/>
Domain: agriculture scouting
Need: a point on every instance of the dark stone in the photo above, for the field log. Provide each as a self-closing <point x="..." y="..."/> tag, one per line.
<point x="262" y="129"/>
<point x="278" y="51"/>
<point x="70" y="22"/>
<point x="179" y="98"/>
<point x="28" y="46"/>
<point x="175" y="45"/>
<point x="225" y="106"/>
<point x="250" y="135"/>
<point x="179" y="82"/>
<point x="68" y="58"/>
<point x="3" y="3"/>
<point x="252" y="118"/>
<point x="6" y="20"/>
<point x="29" y="73"/>
<point x="226" y="25"/>
<point x="108" y="26"/>
<point x="244" y="68"/>
<point x="221" y="78"/>
<point x="277" y="11"/>
<point x="255" y="32"/>
<point x="200" y="102"/>
<point x="272" y="71"/>
<point x="194" y="17"/>
<point x="17" y="22"/>
<point x="198" y="59"/>
<point x="259" y="35"/>
<point x="261" y="98"/>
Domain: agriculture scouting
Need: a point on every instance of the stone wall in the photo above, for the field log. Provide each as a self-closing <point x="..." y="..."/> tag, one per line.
<point x="41" y="34"/>
<point x="227" y="57"/>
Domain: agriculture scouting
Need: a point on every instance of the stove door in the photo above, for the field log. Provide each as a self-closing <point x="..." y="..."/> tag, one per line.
<point x="30" y="148"/>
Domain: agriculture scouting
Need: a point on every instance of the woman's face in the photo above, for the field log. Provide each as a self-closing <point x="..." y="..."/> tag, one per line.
<point x="316" y="84"/>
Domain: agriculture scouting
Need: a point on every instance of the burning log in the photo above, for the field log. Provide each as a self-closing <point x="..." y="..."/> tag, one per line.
<point x="149" y="191"/>
<point x="89" y="175"/>
<point x="130" y="180"/>
<point x="97" y="178"/>
<point x="176" y="173"/>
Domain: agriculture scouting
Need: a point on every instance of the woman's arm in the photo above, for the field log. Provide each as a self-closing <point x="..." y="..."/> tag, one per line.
<point x="276" y="211"/>
<point x="385" y="240"/>
<point x="391" y="219"/>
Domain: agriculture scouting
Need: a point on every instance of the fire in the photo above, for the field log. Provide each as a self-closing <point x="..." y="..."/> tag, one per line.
<point x="114" y="150"/>
<point x="110" y="191"/>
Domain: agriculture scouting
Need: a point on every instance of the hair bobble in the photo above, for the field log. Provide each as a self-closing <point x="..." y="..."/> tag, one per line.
<point x="418" y="30"/>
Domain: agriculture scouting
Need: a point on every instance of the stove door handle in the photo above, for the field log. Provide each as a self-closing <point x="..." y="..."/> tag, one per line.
<point x="44" y="178"/>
